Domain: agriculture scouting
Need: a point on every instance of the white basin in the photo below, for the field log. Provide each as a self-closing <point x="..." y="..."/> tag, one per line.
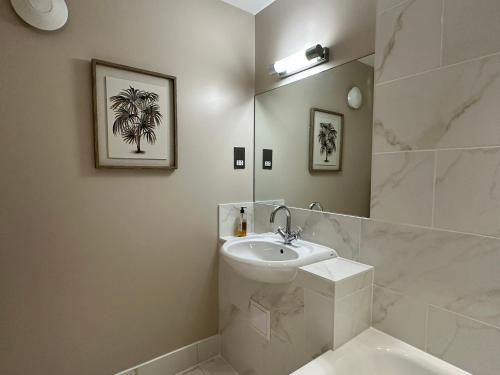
<point x="267" y="259"/>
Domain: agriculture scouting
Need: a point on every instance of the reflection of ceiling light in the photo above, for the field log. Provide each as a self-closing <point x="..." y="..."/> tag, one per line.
<point x="300" y="61"/>
<point x="45" y="15"/>
<point x="355" y="98"/>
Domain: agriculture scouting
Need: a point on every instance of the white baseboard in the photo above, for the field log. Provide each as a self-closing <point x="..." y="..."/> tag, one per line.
<point x="178" y="360"/>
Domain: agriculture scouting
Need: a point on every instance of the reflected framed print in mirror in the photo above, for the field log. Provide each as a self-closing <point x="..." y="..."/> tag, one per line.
<point x="325" y="140"/>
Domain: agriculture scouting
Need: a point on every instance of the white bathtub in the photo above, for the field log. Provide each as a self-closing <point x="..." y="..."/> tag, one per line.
<point x="375" y="353"/>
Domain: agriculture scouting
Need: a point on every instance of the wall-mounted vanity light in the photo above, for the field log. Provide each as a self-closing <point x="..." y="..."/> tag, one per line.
<point x="300" y="61"/>
<point x="45" y="15"/>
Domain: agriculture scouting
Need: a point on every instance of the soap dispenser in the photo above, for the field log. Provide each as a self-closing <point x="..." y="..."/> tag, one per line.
<point x="242" y="226"/>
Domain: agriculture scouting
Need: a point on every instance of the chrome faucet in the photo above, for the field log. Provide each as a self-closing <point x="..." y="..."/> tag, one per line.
<point x="287" y="234"/>
<point x="317" y="205"/>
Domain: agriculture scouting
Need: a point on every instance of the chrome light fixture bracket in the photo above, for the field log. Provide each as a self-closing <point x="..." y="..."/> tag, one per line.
<point x="300" y="61"/>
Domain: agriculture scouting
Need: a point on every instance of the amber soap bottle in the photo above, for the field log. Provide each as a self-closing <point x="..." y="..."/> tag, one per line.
<point x="242" y="225"/>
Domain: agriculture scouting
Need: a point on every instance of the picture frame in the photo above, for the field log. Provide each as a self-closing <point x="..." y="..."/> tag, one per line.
<point x="135" y="117"/>
<point x="326" y="130"/>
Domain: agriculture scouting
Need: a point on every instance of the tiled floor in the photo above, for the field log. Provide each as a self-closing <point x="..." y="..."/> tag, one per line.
<point x="214" y="366"/>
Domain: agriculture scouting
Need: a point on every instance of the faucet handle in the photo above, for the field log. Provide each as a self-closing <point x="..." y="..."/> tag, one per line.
<point x="298" y="232"/>
<point x="280" y="232"/>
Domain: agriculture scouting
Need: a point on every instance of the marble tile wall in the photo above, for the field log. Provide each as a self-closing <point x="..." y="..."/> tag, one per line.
<point x="325" y="306"/>
<point x="340" y="232"/>
<point x="417" y="270"/>
<point x="242" y="346"/>
<point x="436" y="109"/>
<point x="434" y="232"/>
<point x="229" y="218"/>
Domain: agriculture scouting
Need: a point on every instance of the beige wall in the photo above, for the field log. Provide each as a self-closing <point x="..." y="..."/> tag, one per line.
<point x="288" y="26"/>
<point x="282" y="118"/>
<point x="103" y="269"/>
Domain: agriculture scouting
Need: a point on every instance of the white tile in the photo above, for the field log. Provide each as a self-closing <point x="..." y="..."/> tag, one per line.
<point x="471" y="29"/>
<point x="172" y="363"/>
<point x="436" y="109"/>
<point x="399" y="316"/>
<point x="355" y="282"/>
<point x="241" y="346"/>
<point x="383" y="5"/>
<point x="466" y="343"/>
<point x="229" y="216"/>
<point x="318" y="316"/>
<point x="408" y="39"/>
<point x="286" y="351"/>
<point x="468" y="191"/>
<point x="455" y="271"/>
<point x="340" y="232"/>
<point x="335" y="277"/>
<point x="193" y="371"/>
<point x="131" y="372"/>
<point x="286" y="304"/>
<point x="262" y="213"/>
<point x="208" y="348"/>
<point x="352" y="316"/>
<point x="402" y="187"/>
<point x="217" y="366"/>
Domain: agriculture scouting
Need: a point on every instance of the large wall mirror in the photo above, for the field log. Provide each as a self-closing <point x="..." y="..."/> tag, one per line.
<point x="313" y="140"/>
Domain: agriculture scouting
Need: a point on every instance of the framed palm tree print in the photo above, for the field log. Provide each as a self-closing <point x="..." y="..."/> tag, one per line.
<point x="325" y="140"/>
<point x="135" y="117"/>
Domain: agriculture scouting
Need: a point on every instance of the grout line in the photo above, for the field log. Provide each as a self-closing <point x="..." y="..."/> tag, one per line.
<point x="380" y="12"/>
<point x="360" y="237"/>
<point x="368" y="219"/>
<point x="466" y="148"/>
<point x="434" y="189"/>
<point x="433" y="228"/>
<point x="388" y="288"/>
<point x="375" y="220"/>
<point x="426" y="333"/>
<point x="197" y="353"/>
<point x="371" y="301"/>
<point x="441" y="55"/>
<point x="465" y="317"/>
<point x="228" y="364"/>
<point x="474" y="59"/>
<point x="352" y="294"/>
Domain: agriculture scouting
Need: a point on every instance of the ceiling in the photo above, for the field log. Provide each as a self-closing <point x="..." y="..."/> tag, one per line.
<point x="250" y="6"/>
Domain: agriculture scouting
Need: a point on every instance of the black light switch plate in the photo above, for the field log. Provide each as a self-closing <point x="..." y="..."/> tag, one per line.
<point x="267" y="159"/>
<point x="239" y="158"/>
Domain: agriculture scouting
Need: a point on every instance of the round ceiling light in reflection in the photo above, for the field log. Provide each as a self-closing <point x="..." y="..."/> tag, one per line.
<point x="355" y="98"/>
<point x="47" y="15"/>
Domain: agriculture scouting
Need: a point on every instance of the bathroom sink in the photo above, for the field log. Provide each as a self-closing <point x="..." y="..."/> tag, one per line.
<point x="267" y="259"/>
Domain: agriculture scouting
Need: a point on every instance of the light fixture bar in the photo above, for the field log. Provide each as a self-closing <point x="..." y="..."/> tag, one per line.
<point x="300" y="61"/>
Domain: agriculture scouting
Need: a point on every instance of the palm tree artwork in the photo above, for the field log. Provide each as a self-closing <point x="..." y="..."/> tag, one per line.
<point x="137" y="115"/>
<point x="327" y="138"/>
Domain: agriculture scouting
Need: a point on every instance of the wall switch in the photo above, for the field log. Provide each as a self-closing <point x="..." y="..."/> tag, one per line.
<point x="267" y="159"/>
<point x="239" y="158"/>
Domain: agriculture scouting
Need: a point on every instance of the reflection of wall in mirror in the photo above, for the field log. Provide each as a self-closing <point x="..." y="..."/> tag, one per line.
<point x="282" y="123"/>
